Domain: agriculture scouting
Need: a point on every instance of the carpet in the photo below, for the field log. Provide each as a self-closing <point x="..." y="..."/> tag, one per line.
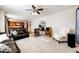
<point x="43" y="44"/>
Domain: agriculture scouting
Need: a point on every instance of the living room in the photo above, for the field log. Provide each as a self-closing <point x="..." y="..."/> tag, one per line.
<point x="36" y="23"/>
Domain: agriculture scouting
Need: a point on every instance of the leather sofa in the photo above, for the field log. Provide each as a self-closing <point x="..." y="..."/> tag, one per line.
<point x="19" y="34"/>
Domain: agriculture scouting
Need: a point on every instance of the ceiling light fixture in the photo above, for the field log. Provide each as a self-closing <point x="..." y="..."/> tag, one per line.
<point x="34" y="13"/>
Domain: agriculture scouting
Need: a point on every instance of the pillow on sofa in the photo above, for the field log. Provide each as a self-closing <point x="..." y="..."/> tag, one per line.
<point x="14" y="32"/>
<point x="3" y="37"/>
<point x="4" y="48"/>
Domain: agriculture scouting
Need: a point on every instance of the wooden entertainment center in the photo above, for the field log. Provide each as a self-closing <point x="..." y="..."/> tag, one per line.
<point x="15" y="25"/>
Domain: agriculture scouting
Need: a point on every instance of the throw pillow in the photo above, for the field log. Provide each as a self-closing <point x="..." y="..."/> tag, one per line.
<point x="4" y="48"/>
<point x="14" y="32"/>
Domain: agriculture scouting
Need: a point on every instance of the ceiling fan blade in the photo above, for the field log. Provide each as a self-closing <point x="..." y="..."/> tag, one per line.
<point x="28" y="9"/>
<point x="38" y="12"/>
<point x="33" y="7"/>
<point x="40" y="9"/>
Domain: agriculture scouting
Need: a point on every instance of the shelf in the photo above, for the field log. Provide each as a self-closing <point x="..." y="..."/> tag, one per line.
<point x="14" y="26"/>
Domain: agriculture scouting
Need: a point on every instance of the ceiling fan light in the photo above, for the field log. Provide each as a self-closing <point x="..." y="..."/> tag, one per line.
<point x="34" y="13"/>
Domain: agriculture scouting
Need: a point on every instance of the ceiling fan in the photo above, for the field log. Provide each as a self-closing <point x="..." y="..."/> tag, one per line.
<point x="35" y="9"/>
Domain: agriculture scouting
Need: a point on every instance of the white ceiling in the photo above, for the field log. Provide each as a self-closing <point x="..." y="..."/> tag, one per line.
<point x="18" y="11"/>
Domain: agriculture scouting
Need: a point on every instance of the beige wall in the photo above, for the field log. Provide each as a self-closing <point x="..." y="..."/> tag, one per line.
<point x="65" y="18"/>
<point x="2" y="22"/>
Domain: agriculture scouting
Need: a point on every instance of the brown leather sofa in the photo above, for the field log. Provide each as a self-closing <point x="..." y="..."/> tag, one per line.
<point x="21" y="33"/>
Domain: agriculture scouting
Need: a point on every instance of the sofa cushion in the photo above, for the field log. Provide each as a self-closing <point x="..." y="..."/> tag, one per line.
<point x="3" y="37"/>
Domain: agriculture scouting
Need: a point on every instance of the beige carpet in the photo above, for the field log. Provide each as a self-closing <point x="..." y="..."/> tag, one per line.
<point x="43" y="44"/>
